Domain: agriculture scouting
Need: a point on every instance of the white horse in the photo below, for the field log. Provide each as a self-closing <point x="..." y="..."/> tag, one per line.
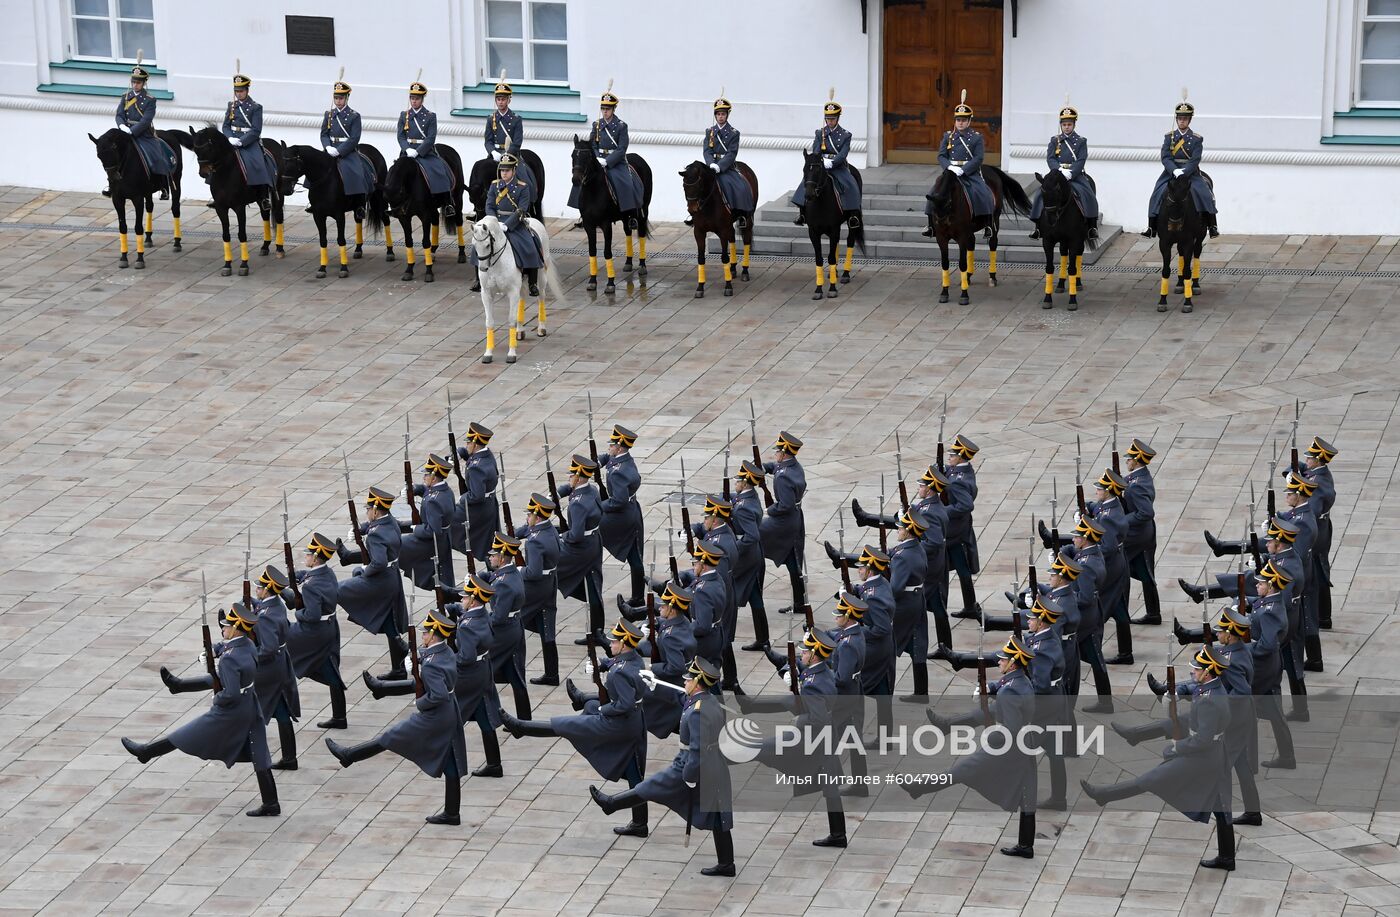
<point x="502" y="283"/>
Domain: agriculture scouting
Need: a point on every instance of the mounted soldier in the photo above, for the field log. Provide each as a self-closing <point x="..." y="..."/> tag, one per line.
<point x="243" y="128"/>
<point x="609" y="141"/>
<point x="136" y="111"/>
<point x="505" y="131"/>
<point x="961" y="152"/>
<point x="1067" y="151"/>
<point x="340" y="136"/>
<point x="833" y="143"/>
<point x="417" y="133"/>
<point x="508" y="200"/>
<point x="1181" y="156"/>
<point x="720" y="151"/>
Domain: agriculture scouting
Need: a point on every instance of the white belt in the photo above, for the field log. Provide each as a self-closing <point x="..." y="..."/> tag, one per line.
<point x="603" y="152"/>
<point x="550" y="571"/>
<point x="590" y="532"/>
<point x="959" y="162"/>
<point x="918" y="588"/>
<point x="239" y="129"/>
<point x="482" y="657"/>
<point x="340" y="139"/>
<point x="1069" y="636"/>
<point x="413" y="140"/>
<point x="245" y="689"/>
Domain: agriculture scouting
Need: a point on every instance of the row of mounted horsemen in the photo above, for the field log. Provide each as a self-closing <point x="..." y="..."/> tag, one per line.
<point x="612" y="185"/>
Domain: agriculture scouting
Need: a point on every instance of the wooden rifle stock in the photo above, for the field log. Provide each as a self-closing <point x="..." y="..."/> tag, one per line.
<point x="792" y="669"/>
<point x="1116" y="469"/>
<point x="938" y="459"/>
<point x="359" y="538"/>
<point x="807" y="615"/>
<point x="1171" y="692"/>
<point x="767" y="494"/>
<point x="597" y="673"/>
<point x="456" y="462"/>
<point x="1079" y="499"/>
<point x="904" y="496"/>
<point x="554" y="495"/>
<point x="408" y="491"/>
<point x="209" y="660"/>
<point x="689" y="532"/>
<point x="846" y="574"/>
<point x="675" y="569"/>
<point x="651" y="627"/>
<point x="292" y="575"/>
<point x="982" y="684"/>
<point x="593" y="454"/>
<point x="413" y="661"/>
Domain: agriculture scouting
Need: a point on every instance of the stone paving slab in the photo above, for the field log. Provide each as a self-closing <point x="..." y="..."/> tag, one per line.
<point x="148" y="418"/>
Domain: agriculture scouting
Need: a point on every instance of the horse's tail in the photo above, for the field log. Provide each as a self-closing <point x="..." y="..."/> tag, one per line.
<point x="1013" y="196"/>
<point x="183" y="138"/>
<point x="551" y="276"/>
<point x="855" y="237"/>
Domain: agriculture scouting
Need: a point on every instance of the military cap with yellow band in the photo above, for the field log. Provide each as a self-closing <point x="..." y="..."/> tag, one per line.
<point x="934" y="479"/>
<point x="1184" y="107"/>
<point x="708" y="552"/>
<point x="417" y="89"/>
<point x="502" y="87"/>
<point x="540" y="505"/>
<point x="914" y="520"/>
<point x="964" y="446"/>
<point x="382" y="499"/>
<point x="820" y="643"/>
<point x="718" y="506"/>
<point x="478" y="588"/>
<point x="787" y="443"/>
<point x="1281" y="530"/>
<point x="273" y="579"/>
<point x="241" y="82"/>
<point x="583" y="465"/>
<point x="1322" y="450"/>
<point x="237" y="615"/>
<point x="1112" y="482"/>
<point x="501" y="543"/>
<point x="1065" y="565"/>
<point x="850" y="606"/>
<point x="140" y="73"/>
<point x="1299" y="484"/>
<point x="1274" y="574"/>
<point x="622" y="436"/>
<point x="1016" y="651"/>
<point x="723" y="104"/>
<point x="626" y="632"/>
<point x="1047" y="610"/>
<point x="677" y="596"/>
<point x="703" y="671"/>
<point x="607" y="99"/>
<point x="874" y="558"/>
<point x="832" y="108"/>
<point x="1069" y="113"/>
<point x="1209" y="660"/>
<point x="479" y="434"/>
<point x="1089" y="529"/>
<point x="1140" y="451"/>
<point x="439" y="622"/>
<point x="319" y="544"/>
<point x="962" y="109"/>
<point x="341" y="88"/>
<point x="437" y="465"/>
<point x="750" y="471"/>
<point x="1232" y="621"/>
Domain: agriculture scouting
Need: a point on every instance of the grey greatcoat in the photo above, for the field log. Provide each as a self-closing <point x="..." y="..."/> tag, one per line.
<point x="426" y="548"/>
<point x="621" y="525"/>
<point x="475" y="687"/>
<point x="661" y="707"/>
<point x="314" y="639"/>
<point x="474" y="524"/>
<point x="507" y="645"/>
<point x="611" y="736"/>
<point x="275" y="679"/>
<point x="747" y="566"/>
<point x="1008" y="780"/>
<point x="431" y="737"/>
<point x="233" y="729"/>
<point x="708" y="804"/>
<point x="784" y="528"/>
<point x="581" y="547"/>
<point x="373" y="596"/>
<point x="540" y="577"/>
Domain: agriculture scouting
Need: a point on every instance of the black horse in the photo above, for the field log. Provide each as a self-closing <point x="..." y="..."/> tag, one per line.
<point x="823" y="216"/>
<point x="128" y="180"/>
<point x="407" y="195"/>
<point x="1061" y="223"/>
<point x="598" y="210"/>
<point x="328" y="199"/>
<point x="484" y="172"/>
<point x="952" y="218"/>
<point x="710" y="214"/>
<point x="220" y="167"/>
<point x="1180" y="226"/>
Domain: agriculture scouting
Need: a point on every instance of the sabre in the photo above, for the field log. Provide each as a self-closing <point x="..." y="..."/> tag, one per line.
<point x="899" y="470"/>
<point x="593" y="450"/>
<point x="408" y="477"/>
<point x="204" y="626"/>
<point x="354" y="516"/>
<point x="758" y="459"/>
<point x="287" y="555"/>
<point x="452" y="446"/>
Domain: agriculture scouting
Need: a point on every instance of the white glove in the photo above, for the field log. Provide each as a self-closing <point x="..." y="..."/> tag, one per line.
<point x="124" y="128"/>
<point x="403" y="492"/>
<point x="827" y="164"/>
<point x="412" y="153"/>
<point x="587" y="669"/>
<point x="1078" y="517"/>
<point x="1178" y="172"/>
<point x="332" y="151"/>
<point x="1067" y="170"/>
<point x="603" y="161"/>
<point x="235" y="141"/>
<point x="350" y="536"/>
<point x="648" y="677"/>
<point x="689" y="784"/>
<point x="203" y="659"/>
<point x="1050" y="558"/>
<point x="496" y="155"/>
<point x="714" y="167"/>
<point x="976" y="690"/>
<point x="956" y="170"/>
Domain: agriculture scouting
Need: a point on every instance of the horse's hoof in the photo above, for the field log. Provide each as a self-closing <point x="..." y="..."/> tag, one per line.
<point x="1186" y="306"/>
<point x="541" y="331"/>
<point x="264" y="250"/>
<point x="148" y="238"/>
<point x="428" y="277"/>
<point x="728" y="289"/>
<point x="178" y="247"/>
<point x="699" y="294"/>
<point x="591" y="287"/>
<point x="992" y="280"/>
<point x="357" y="254"/>
<point x="1074" y="305"/>
<point x="845" y="276"/>
<point x="243" y="269"/>
<point x="1047" y="303"/>
<point x="627" y="265"/>
<point x="281" y="253"/>
<point x="486" y="358"/>
<point x="344" y="272"/>
<point x="476" y="287"/>
<point x="406" y="275"/>
<point x="642" y="269"/>
<point x="610" y="288"/>
<point x="831" y="293"/>
<point x="1161" y="307"/>
<point x="321" y="274"/>
<point x="226" y="271"/>
<point x="389" y="256"/>
<point x="942" y="297"/>
<point x="818" y="294"/>
<point x="510" y="358"/>
<point x="140" y="264"/>
<point x="1180" y="287"/>
<point x="123" y="264"/>
<point x="1060" y="287"/>
<point x="744" y="275"/>
<point x="461" y="257"/>
<point x="963" y="300"/>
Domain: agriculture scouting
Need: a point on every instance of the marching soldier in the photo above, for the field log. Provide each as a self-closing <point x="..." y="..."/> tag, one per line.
<point x="714" y="530"/>
<point x="477" y="510"/>
<point x="960" y="535"/>
<point x="877" y="675"/>
<point x="608" y="138"/>
<point x="622" y="529"/>
<point x="832" y="143"/>
<point x="340" y="137"/>
<point x="314" y="639"/>
<point x="696" y="783"/>
<point x="540" y="543"/>
<point x="747" y="567"/>
<point x="242" y="125"/>
<point x="581" y="546"/>
<point x="961" y="152"/>
<point x="847" y="663"/>
<point x="509" y="199"/>
<point x="233" y="729"/>
<point x="1111" y="515"/>
<point x="611" y="736"/>
<point x="505" y="130"/>
<point x="477" y="700"/>
<point x="432" y="736"/>
<point x="1298" y="495"/>
<point x="1086" y="552"/>
<point x="1194" y="773"/>
<point x="710" y="602"/>
<point x="720" y="151"/>
<point x="417" y="135"/>
<point x="373" y="596"/>
<point x="662" y="707"/>
<point x="136" y="112"/>
<point x="1009" y="780"/>
<point x="784" y="529"/>
<point x="1140" y="543"/>
<point x="425" y="551"/>
<point x="1067" y="151"/>
<point x="507" y="647"/>
<point x="1181" y="157"/>
<point x="1317" y="468"/>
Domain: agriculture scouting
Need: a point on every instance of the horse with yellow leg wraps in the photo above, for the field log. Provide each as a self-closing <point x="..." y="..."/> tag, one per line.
<point x="1180" y="226"/>
<point x="219" y="166"/>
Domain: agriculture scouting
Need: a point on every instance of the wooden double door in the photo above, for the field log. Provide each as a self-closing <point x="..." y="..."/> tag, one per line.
<point x="934" y="49"/>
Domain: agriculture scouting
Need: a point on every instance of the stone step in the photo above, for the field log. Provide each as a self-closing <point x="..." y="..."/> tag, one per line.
<point x="1016" y="248"/>
<point x="1012" y="231"/>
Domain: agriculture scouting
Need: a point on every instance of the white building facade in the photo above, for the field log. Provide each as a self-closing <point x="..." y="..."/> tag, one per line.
<point x="1298" y="100"/>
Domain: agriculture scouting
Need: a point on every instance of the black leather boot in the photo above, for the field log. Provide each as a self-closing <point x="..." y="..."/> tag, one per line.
<point x="637" y="827"/>
<point x="451" y="804"/>
<point x="267" y="787"/>
<point x="1151" y="230"/>
<point x="287" y="735"/>
<point x="380" y="688"/>
<point x="522" y="728"/>
<point x="724" y="855"/>
<point x="1196" y="593"/>
<point x="1104" y="794"/>
<point x="549" y="653"/>
<point x="920" y="695"/>
<point x="611" y="804"/>
<point x="1025" y="838"/>
<point x="1135" y="735"/>
<point x="337" y="720"/>
<point x="178" y="685"/>
<point x="576" y="697"/>
<point x="145" y="753"/>
<point x="836" y="831"/>
<point x="349" y="754"/>
<point x="1224" y="844"/>
<point x="398" y="652"/>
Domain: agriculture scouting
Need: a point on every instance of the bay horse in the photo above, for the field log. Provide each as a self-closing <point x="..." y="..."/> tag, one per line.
<point x="597" y="210"/>
<point x="328" y="199"/>
<point x="824" y="217"/>
<point x="484" y="172"/>
<point x="219" y="166"/>
<point x="1061" y="223"/>
<point x="1179" y="226"/>
<point x="407" y="197"/>
<point x="502" y="280"/>
<point x="952" y="218"/>
<point x="129" y="181"/>
<point x="711" y="214"/>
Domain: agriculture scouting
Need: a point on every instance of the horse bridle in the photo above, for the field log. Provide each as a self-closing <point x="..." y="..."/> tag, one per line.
<point x="493" y="255"/>
<point x="700" y="202"/>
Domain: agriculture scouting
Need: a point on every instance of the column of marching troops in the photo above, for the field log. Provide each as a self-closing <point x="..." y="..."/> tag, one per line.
<point x="669" y="660"/>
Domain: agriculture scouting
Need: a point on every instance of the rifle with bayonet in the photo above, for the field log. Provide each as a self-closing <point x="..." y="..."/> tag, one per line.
<point x="413" y="650"/>
<point x="757" y="458"/>
<point x="501" y="493"/>
<point x="1079" y="478"/>
<point x="792" y="669"/>
<point x="841" y="542"/>
<point x="685" y="516"/>
<point x="942" y="418"/>
<point x="1273" y="466"/>
<point x="1030" y="564"/>
<point x="982" y="666"/>
<point x="884" y="539"/>
<point x="597" y="673"/>
<point x="549" y="477"/>
<point x="408" y="477"/>
<point x="726" y="465"/>
<point x="1176" y="731"/>
<point x="452" y="447"/>
<point x="671" y="542"/>
<point x="1116" y="469"/>
<point x="651" y="629"/>
<point x="354" y="516"/>
<point x="247" y="579"/>
<point x="1055" y="512"/>
<point x="1252" y="533"/>
<point x="807" y="607"/>
<point x="204" y="628"/>
<point x="287" y="555"/>
<point x="899" y="470"/>
<point x="593" y="452"/>
<point x="1297" y="415"/>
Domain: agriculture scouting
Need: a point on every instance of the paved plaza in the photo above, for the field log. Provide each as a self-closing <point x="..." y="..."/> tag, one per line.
<point x="147" y="418"/>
